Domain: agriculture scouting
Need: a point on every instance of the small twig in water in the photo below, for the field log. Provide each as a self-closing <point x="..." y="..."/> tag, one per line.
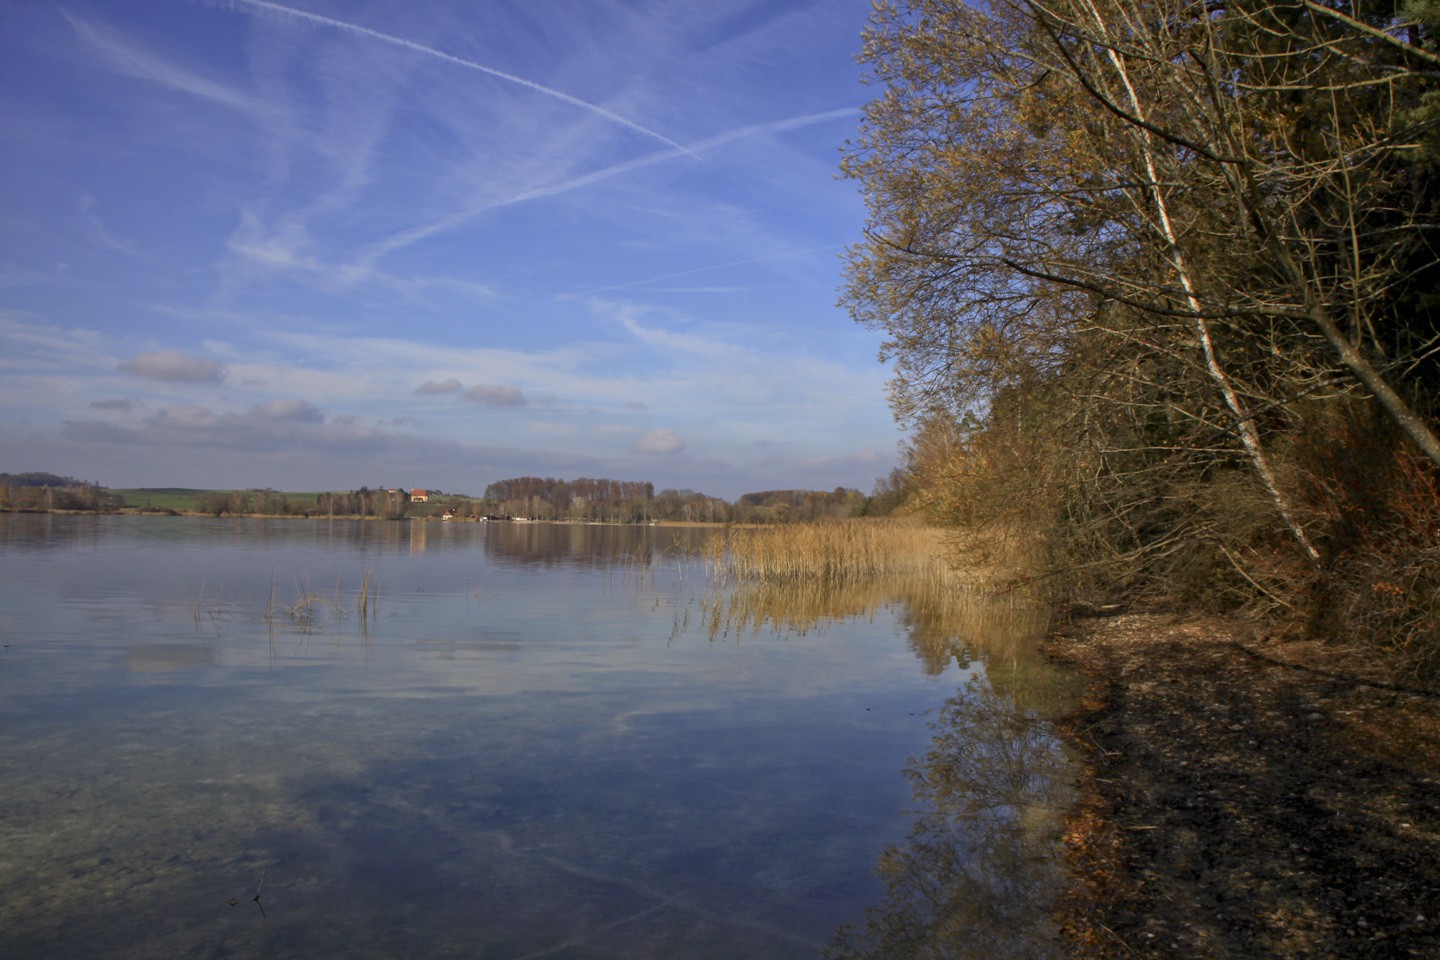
<point x="257" y="893"/>
<point x="234" y="901"/>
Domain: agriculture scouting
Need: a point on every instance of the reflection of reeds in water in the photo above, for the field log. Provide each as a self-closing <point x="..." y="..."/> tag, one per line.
<point x="793" y="578"/>
<point x="310" y="610"/>
<point x="368" y="592"/>
<point x="217" y="609"/>
<point x="946" y="617"/>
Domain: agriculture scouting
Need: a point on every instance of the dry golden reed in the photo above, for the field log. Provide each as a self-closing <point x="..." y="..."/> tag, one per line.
<point x="853" y="549"/>
<point x="862" y="548"/>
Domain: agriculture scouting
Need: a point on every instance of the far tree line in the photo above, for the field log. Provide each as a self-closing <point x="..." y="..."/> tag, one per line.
<point x="535" y="498"/>
<point x="589" y="499"/>
<point x="46" y="491"/>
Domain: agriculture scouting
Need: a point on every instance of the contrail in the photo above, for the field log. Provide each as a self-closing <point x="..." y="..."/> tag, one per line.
<point x="688" y="273"/>
<point x="356" y="29"/>
<point x="407" y="237"/>
<point x="776" y="126"/>
<point x="739" y="133"/>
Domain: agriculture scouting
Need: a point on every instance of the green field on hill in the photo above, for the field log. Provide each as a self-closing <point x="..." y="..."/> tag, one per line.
<point x="280" y="502"/>
<point x="186" y="500"/>
<point x="179" y="499"/>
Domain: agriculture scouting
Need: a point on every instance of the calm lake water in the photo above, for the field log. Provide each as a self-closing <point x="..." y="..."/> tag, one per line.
<point x="332" y="739"/>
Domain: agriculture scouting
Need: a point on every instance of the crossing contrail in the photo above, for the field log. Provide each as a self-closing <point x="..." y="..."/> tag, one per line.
<point x="740" y="133"/>
<point x="687" y="273"/>
<point x="357" y="30"/>
<point x="407" y="237"/>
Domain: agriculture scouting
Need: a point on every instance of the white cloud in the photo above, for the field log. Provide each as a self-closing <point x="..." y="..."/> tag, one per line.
<point x="175" y="366"/>
<point x="448" y="385"/>
<point x="490" y="395"/>
<point x="301" y="411"/>
<point x="661" y="442"/>
<point x="123" y="404"/>
<point x="185" y="418"/>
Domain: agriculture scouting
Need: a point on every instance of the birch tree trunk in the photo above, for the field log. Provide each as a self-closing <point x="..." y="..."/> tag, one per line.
<point x="1162" y="224"/>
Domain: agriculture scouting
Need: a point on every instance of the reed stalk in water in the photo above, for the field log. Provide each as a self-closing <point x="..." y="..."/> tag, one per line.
<point x="362" y="602"/>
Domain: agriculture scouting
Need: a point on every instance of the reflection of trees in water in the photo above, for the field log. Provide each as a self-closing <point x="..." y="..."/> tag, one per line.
<point x="602" y="545"/>
<point x="530" y="544"/>
<point x="520" y="543"/>
<point x="980" y="872"/>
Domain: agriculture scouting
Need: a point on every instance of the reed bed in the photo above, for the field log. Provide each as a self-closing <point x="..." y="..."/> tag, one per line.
<point x="837" y="550"/>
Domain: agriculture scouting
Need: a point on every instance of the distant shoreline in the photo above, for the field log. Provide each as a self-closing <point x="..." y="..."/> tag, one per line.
<point x="200" y="514"/>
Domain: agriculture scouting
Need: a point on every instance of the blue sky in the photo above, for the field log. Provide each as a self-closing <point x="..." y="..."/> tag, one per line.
<point x="434" y="243"/>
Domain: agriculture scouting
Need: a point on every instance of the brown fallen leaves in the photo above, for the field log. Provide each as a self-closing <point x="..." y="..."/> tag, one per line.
<point x="1244" y="798"/>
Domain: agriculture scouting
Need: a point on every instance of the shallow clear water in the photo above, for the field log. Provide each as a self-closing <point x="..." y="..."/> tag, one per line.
<point x="252" y="738"/>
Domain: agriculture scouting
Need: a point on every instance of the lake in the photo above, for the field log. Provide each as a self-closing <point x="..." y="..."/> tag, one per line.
<point x="316" y="739"/>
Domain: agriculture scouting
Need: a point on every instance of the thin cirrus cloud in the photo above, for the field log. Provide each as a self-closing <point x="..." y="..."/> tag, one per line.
<point x="131" y="60"/>
<point x="175" y="367"/>
<point x="360" y="31"/>
<point x="264" y="427"/>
